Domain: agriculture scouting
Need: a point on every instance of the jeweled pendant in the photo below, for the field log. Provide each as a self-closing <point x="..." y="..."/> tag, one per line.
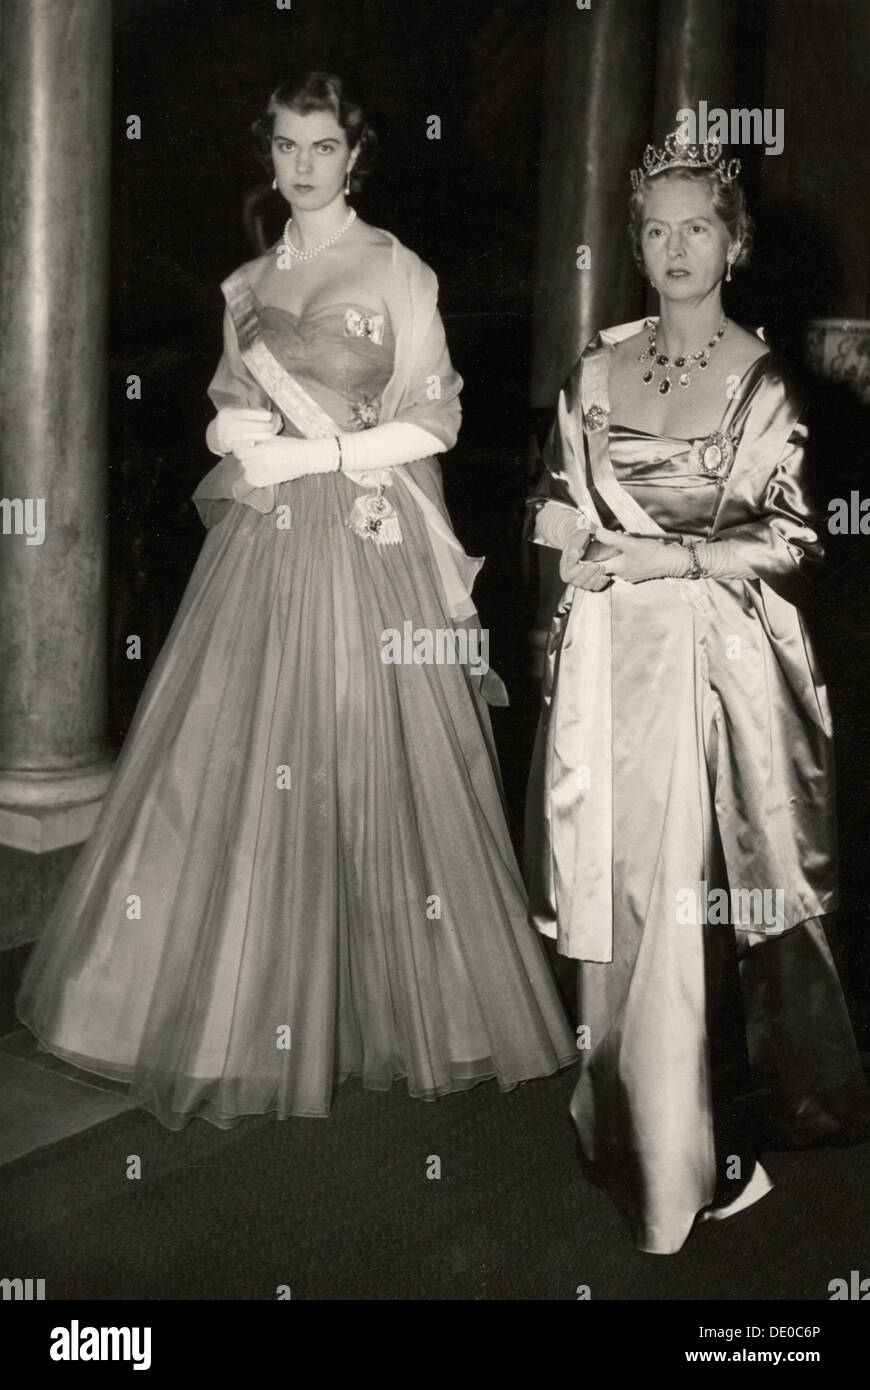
<point x="703" y="363"/>
<point x="662" y="360"/>
<point x="647" y="378"/>
<point x="664" y="386"/>
<point x="684" y="379"/>
<point x="679" y="361"/>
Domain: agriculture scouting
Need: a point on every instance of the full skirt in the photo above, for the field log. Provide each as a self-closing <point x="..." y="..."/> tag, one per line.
<point x="302" y="871"/>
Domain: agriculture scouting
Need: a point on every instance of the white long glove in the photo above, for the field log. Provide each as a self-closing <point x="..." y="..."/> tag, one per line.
<point x="640" y="558"/>
<point x="278" y="460"/>
<point x="568" y="529"/>
<point x="235" y="425"/>
<point x="556" y="524"/>
<point x="723" y="559"/>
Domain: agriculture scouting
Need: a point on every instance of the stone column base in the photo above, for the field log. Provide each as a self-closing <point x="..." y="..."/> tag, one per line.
<point x="43" y="811"/>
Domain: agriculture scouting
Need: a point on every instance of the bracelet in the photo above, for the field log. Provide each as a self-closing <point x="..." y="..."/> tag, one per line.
<point x="338" y="442"/>
<point x="696" y="569"/>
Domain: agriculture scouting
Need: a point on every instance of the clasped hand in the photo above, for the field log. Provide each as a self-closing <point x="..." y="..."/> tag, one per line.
<point x="236" y="425"/>
<point x="580" y="562"/>
<point x="251" y="436"/>
<point x="612" y="554"/>
<point x="271" y="461"/>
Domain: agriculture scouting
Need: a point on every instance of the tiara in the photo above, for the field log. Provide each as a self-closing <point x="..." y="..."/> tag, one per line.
<point x="679" y="154"/>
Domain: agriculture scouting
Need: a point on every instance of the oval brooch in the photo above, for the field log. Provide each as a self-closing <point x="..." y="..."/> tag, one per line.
<point x="714" y="454"/>
<point x="596" y="417"/>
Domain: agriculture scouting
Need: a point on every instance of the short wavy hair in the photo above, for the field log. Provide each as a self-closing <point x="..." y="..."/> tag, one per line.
<point x="319" y="91"/>
<point x="729" y="204"/>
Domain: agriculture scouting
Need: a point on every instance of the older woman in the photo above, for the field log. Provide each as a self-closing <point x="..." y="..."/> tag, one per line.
<point x="681" y="813"/>
<point x="303" y="870"/>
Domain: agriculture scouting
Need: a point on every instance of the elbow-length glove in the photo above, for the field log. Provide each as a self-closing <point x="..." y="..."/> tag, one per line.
<point x="273" y="459"/>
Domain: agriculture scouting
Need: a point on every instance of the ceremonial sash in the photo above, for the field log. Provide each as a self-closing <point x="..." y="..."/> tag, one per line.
<point x="456" y="569"/>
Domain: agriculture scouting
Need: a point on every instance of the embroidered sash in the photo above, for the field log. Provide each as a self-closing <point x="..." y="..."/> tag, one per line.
<point x="309" y="418"/>
<point x="372" y="516"/>
<point x="456" y="569"/>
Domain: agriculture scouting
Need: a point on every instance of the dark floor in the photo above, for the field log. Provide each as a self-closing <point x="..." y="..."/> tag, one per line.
<point x="343" y="1209"/>
<point x="43" y="1099"/>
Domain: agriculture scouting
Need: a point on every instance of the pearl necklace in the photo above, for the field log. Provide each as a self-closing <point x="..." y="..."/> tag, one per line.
<point x="321" y="246"/>
<point x="697" y="359"/>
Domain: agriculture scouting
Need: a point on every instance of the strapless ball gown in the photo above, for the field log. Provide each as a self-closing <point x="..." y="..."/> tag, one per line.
<point x="302" y="871"/>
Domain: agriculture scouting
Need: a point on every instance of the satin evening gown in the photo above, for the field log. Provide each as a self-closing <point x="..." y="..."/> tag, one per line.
<point x="710" y="1047"/>
<point x="708" y="764"/>
<point x="316" y="838"/>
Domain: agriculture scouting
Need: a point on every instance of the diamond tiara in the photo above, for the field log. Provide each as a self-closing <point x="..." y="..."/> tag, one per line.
<point x="679" y="154"/>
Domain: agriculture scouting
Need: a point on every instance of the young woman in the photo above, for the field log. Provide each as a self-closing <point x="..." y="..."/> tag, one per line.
<point x="681" y="810"/>
<point x="303" y="871"/>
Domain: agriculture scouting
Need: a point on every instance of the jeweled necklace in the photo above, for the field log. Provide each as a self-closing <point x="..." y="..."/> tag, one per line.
<point x="685" y="364"/>
<point x="322" y="245"/>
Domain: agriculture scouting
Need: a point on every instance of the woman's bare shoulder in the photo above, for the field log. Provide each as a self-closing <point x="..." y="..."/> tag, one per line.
<point x="374" y="238"/>
<point x="744" y="347"/>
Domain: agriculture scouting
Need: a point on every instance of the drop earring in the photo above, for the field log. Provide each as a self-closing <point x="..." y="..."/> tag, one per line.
<point x="275" y="181"/>
<point x="351" y="162"/>
<point x="728" y="275"/>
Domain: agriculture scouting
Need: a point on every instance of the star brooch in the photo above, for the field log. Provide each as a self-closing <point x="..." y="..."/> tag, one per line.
<point x="365" y="412"/>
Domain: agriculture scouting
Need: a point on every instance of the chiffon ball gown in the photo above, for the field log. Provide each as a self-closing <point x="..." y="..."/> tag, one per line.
<point x="302" y="871"/>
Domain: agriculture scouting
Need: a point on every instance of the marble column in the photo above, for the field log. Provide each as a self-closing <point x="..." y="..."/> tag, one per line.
<point x="54" y="167"/>
<point x="596" y="101"/>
